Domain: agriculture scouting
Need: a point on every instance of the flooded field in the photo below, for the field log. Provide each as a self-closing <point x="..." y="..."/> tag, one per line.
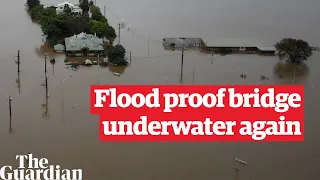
<point x="68" y="135"/>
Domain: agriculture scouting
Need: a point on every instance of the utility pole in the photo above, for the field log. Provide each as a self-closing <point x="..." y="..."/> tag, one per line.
<point x="130" y="58"/>
<point x="45" y="64"/>
<point x="104" y="10"/>
<point x="46" y="81"/>
<point x="182" y="54"/>
<point x="119" y="33"/>
<point x="18" y="61"/>
<point x="10" y="113"/>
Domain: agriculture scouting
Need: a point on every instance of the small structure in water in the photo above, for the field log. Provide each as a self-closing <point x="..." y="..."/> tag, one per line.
<point x="182" y="42"/>
<point x="243" y="76"/>
<point x="241" y="161"/>
<point x="264" y="78"/>
<point x="88" y="62"/>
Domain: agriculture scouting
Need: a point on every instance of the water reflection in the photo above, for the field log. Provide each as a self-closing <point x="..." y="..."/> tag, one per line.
<point x="291" y="72"/>
<point x="236" y="174"/>
<point x="45" y="48"/>
<point x="81" y="60"/>
<point x="10" y="126"/>
<point x="45" y="106"/>
<point x="117" y="69"/>
<point x="18" y="83"/>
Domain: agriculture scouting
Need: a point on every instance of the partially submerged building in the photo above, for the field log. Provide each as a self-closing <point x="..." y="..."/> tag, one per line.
<point x="219" y="46"/>
<point x="182" y="41"/>
<point x="75" y="9"/>
<point x="84" y="45"/>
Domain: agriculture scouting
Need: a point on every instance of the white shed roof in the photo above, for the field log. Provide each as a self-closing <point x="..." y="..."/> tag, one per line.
<point x="267" y="48"/>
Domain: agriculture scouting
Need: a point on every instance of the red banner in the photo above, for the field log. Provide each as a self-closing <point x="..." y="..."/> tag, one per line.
<point x="199" y="113"/>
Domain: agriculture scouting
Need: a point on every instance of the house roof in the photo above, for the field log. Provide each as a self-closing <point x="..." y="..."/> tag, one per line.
<point x="76" y="9"/>
<point x="64" y="3"/>
<point x="83" y="40"/>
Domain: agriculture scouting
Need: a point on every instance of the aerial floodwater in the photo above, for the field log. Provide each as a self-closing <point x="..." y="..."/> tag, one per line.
<point x="60" y="127"/>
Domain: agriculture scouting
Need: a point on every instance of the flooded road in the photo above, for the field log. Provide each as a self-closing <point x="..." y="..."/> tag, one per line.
<point x="72" y="141"/>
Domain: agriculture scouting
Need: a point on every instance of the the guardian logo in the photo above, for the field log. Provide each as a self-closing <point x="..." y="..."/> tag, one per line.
<point x="31" y="168"/>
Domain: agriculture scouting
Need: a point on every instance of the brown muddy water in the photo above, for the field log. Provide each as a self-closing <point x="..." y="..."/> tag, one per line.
<point x="72" y="141"/>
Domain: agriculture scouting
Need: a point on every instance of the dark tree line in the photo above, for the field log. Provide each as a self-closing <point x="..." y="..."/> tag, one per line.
<point x="56" y="26"/>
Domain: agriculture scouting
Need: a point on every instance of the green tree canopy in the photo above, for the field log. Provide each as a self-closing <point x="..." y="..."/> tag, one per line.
<point x="52" y="26"/>
<point x="294" y="50"/>
<point x="117" y="51"/>
<point x="116" y="55"/>
<point x="97" y="15"/>
<point x="78" y="24"/>
<point x="48" y="12"/>
<point x="102" y="29"/>
<point x="33" y="3"/>
<point x="36" y="12"/>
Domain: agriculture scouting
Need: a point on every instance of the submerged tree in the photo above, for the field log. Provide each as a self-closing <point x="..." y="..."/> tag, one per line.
<point x="294" y="50"/>
<point x="116" y="55"/>
<point x="33" y="3"/>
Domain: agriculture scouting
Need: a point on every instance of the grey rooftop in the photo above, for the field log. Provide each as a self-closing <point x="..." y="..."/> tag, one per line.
<point x="83" y="40"/>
